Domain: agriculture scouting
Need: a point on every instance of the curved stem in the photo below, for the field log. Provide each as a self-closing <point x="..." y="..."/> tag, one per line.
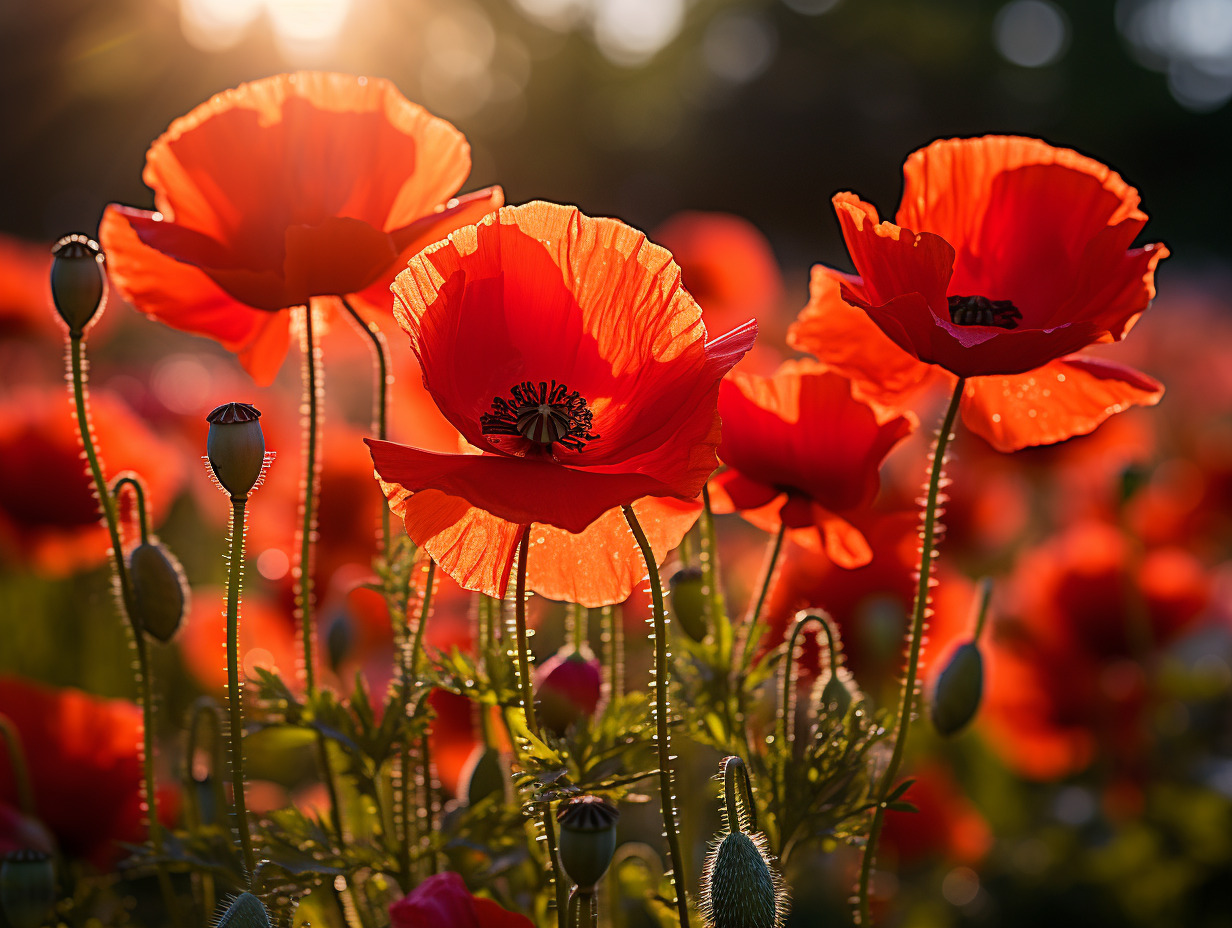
<point x="130" y="480"/>
<point x="787" y="714"/>
<point x="77" y="374"/>
<point x="662" y="669"/>
<point x="380" y="401"/>
<point x="18" y="768"/>
<point x="752" y="636"/>
<point x="204" y="708"/>
<point x="918" y="614"/>
<point x="731" y="765"/>
<point x="235" y="579"/>
<point x="982" y="600"/>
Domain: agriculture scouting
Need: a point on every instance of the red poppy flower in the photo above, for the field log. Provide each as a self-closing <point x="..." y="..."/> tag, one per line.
<point x="280" y="190"/>
<point x="49" y="517"/>
<point x="947" y="826"/>
<point x="443" y="901"/>
<point x="1006" y="256"/>
<point x="83" y="756"/>
<point x="25" y="302"/>
<point x="566" y="353"/>
<point x="802" y="451"/>
<point x="1063" y="675"/>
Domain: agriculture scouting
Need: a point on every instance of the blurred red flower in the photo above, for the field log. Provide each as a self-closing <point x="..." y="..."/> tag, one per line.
<point x="443" y="901"/>
<point x="83" y="756"/>
<point x="49" y="517"/>
<point x="283" y="189"/>
<point x="563" y="347"/>
<point x="25" y="296"/>
<point x="727" y="265"/>
<point x="947" y="826"/>
<point x="801" y="450"/>
<point x="1064" y="676"/>
<point x="1006" y="256"/>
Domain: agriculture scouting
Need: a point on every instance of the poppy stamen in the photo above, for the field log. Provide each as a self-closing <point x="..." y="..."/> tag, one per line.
<point x="979" y="310"/>
<point x="543" y="414"/>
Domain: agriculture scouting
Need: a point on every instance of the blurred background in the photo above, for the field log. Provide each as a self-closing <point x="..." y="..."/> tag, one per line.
<point x="1077" y="800"/>
<point x="640" y="108"/>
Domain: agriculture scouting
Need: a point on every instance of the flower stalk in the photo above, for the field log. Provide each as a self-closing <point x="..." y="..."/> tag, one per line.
<point x="919" y="614"/>
<point x="662" y="729"/>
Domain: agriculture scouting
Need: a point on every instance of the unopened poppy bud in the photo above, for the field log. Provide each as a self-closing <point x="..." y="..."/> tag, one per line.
<point x="339" y="640"/>
<point x="587" y="838"/>
<point x="959" y="688"/>
<point x="159" y="590"/>
<point x="27" y="888"/>
<point x="569" y="687"/>
<point x="247" y="911"/>
<point x="236" y="447"/>
<point x="739" y="887"/>
<point x="688" y="601"/>
<point x="836" y="695"/>
<point x="484" y="775"/>
<point x="78" y="280"/>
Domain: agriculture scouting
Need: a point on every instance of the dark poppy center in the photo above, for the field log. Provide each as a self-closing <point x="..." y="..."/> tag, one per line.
<point x="979" y="310"/>
<point x="541" y="413"/>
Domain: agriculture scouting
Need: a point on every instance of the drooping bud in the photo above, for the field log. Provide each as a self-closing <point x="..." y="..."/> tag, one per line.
<point x="160" y="596"/>
<point x="960" y="686"/>
<point x="570" y="683"/>
<point x="27" y="888"/>
<point x="688" y="602"/>
<point x="236" y="447"/>
<point x="484" y="775"/>
<point x="247" y="911"/>
<point x="836" y="695"/>
<point x="587" y="838"/>
<point x="739" y="887"/>
<point x="339" y="640"/>
<point x="78" y="280"/>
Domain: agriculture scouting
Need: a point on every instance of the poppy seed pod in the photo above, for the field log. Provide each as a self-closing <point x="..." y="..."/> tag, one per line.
<point x="78" y="281"/>
<point x="587" y="838"/>
<point x="160" y="595"/>
<point x="247" y="911"/>
<point x="688" y="601"/>
<point x="236" y="447"/>
<point x="27" y="888"/>
<point x="739" y="887"/>
<point x="959" y="688"/>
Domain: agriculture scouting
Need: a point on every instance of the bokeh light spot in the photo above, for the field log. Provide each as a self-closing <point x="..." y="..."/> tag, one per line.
<point x="1031" y="33"/>
<point x="631" y="32"/>
<point x="739" y="46"/>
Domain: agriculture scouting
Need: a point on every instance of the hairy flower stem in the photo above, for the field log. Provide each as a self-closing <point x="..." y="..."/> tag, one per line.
<point x="709" y="559"/>
<point x="380" y="401"/>
<point x="918" y="614"/>
<point x="752" y="635"/>
<point x="411" y="649"/>
<point x="662" y="668"/>
<point x="527" y="690"/>
<point x="304" y="595"/>
<point x="235" y="579"/>
<point x="77" y="375"/>
<point x="143" y="523"/>
<point x="581" y="908"/>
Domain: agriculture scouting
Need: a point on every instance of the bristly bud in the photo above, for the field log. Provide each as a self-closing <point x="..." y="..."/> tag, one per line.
<point x="688" y="601"/>
<point x="959" y="689"/>
<point x="160" y="590"/>
<point x="739" y="887"/>
<point x="78" y="281"/>
<point x="247" y="911"/>
<point x="27" y="888"/>
<point x="587" y="838"/>
<point x="236" y="447"/>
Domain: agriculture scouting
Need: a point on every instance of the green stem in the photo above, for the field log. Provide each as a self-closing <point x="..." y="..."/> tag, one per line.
<point x="709" y="558"/>
<point x="788" y="712"/>
<point x="918" y="613"/>
<point x="77" y="374"/>
<point x="204" y="708"/>
<point x="309" y="489"/>
<point x="662" y="670"/>
<point x="425" y="611"/>
<point x="752" y="637"/>
<point x="429" y="805"/>
<point x="139" y="494"/>
<point x="235" y="579"/>
<point x="17" y="767"/>
<point x="380" y="401"/>
<point x="731" y="766"/>
<point x="615" y="623"/>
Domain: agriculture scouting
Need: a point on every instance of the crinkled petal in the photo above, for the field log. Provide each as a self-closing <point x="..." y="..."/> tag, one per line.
<point x="1070" y="396"/>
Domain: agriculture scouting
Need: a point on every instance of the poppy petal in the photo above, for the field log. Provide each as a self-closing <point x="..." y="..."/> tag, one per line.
<point x="179" y="295"/>
<point x="1070" y="396"/>
<point x="846" y="339"/>
<point x="518" y="490"/>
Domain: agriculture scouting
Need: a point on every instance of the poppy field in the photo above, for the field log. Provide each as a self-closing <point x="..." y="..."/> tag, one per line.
<point x="402" y="531"/>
